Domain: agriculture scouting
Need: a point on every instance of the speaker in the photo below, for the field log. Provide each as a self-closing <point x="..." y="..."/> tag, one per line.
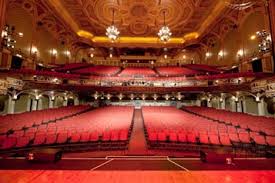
<point x="213" y="157"/>
<point x="44" y="155"/>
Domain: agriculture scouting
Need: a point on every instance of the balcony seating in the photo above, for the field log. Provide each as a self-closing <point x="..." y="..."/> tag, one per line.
<point x="176" y="71"/>
<point x="137" y="72"/>
<point x="99" y="70"/>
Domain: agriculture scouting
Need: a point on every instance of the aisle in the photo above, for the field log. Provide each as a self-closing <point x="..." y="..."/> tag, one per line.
<point x="137" y="144"/>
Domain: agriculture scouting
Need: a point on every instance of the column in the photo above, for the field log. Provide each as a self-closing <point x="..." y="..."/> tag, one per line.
<point x="29" y="104"/>
<point x="11" y="105"/>
<point x="40" y="104"/>
<point x="3" y="10"/>
<point x="198" y="102"/>
<point x="76" y="101"/>
<point x="222" y="103"/>
<point x="65" y="102"/>
<point x="51" y="103"/>
<point x="244" y="106"/>
<point x="34" y="104"/>
<point x="239" y="106"/>
<point x="233" y="105"/>
<point x="261" y="111"/>
<point x="272" y="20"/>
<point x="209" y="104"/>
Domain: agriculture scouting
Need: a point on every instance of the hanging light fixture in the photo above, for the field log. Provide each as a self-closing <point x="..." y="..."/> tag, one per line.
<point x="164" y="32"/>
<point x="240" y="4"/>
<point x="112" y="31"/>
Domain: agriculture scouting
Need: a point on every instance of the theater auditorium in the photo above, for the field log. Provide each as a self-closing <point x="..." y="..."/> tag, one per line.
<point x="133" y="91"/>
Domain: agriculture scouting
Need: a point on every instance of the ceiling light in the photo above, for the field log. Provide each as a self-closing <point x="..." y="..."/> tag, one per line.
<point x="240" y="53"/>
<point x="208" y="54"/>
<point x="20" y="34"/>
<point x="221" y="53"/>
<point x="54" y="52"/>
<point x="253" y="37"/>
<point x="164" y="32"/>
<point x="112" y="31"/>
<point x="34" y="50"/>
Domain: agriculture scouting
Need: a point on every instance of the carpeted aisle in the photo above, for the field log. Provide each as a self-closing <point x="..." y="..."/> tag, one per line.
<point x="137" y="144"/>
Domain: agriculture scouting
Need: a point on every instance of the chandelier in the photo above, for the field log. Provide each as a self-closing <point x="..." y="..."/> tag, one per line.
<point x="164" y="32"/>
<point x="240" y="4"/>
<point x="112" y="32"/>
<point x="265" y="41"/>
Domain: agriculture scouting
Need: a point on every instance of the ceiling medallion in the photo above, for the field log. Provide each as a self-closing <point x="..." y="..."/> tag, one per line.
<point x="164" y="32"/>
<point x="112" y="31"/>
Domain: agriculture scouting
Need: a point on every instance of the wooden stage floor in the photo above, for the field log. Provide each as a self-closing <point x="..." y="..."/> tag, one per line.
<point x="136" y="170"/>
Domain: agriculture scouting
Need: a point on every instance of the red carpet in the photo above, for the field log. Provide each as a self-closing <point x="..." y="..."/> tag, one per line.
<point x="137" y="144"/>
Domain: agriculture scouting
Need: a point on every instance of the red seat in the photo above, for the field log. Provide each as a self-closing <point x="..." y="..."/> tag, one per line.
<point x="214" y="139"/>
<point x="106" y="136"/>
<point x="204" y="139"/>
<point x="123" y="136"/>
<point x="234" y="137"/>
<point x="94" y="137"/>
<point x="2" y="138"/>
<point x="270" y="140"/>
<point x="258" y="139"/>
<point x="39" y="139"/>
<point x="22" y="141"/>
<point x="173" y="137"/>
<point x="244" y="138"/>
<point x="182" y="137"/>
<point x="8" y="143"/>
<point x="225" y="140"/>
<point x="85" y="137"/>
<point x="191" y="138"/>
<point x="51" y="139"/>
<point x="152" y="136"/>
<point x="62" y="137"/>
<point x="114" y="136"/>
<point x="75" y="137"/>
<point x="161" y="137"/>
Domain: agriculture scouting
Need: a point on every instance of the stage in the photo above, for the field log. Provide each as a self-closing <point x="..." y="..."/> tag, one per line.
<point x="159" y="169"/>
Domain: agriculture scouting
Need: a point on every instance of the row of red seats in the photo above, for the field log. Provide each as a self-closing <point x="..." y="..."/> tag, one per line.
<point x="104" y="124"/>
<point x="35" y="118"/>
<point x="176" y="71"/>
<point x="246" y="121"/>
<point x="138" y="71"/>
<point x="168" y="124"/>
<point x="46" y="73"/>
<point x="99" y="70"/>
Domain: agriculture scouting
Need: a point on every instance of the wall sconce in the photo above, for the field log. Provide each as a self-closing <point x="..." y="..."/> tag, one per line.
<point x="54" y="52"/>
<point x="67" y="53"/>
<point x="240" y="53"/>
<point x="34" y="50"/>
<point x="208" y="54"/>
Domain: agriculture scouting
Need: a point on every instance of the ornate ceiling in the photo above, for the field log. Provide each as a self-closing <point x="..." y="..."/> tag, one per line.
<point x="82" y="23"/>
<point x="139" y="17"/>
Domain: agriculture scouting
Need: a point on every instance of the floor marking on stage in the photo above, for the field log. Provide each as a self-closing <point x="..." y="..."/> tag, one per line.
<point x="250" y="158"/>
<point x="102" y="164"/>
<point x="73" y="158"/>
<point x="178" y="165"/>
<point x="186" y="159"/>
<point x="136" y="157"/>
